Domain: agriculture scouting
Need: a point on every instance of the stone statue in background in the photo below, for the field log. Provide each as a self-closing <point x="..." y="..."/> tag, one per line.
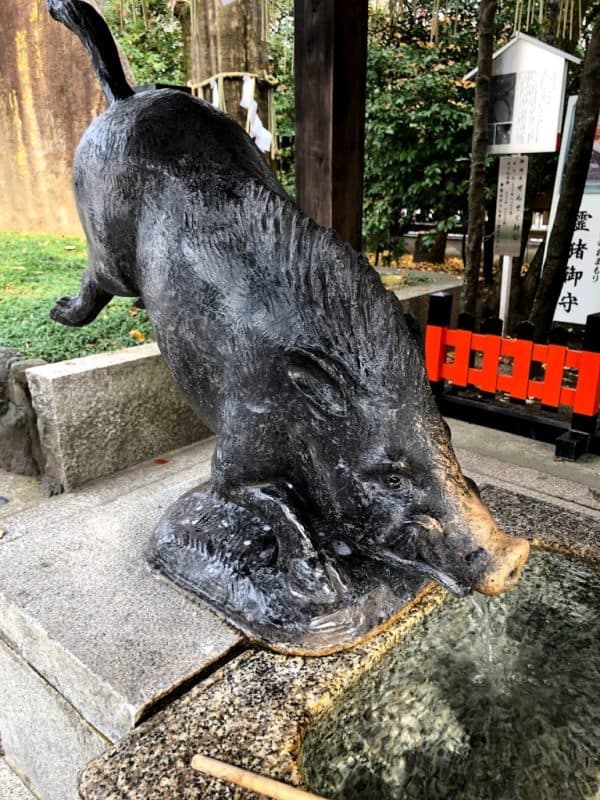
<point x="335" y="492"/>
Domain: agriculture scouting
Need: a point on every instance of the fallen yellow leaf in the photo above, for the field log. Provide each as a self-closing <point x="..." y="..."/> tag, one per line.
<point x="392" y="281"/>
<point x="138" y="336"/>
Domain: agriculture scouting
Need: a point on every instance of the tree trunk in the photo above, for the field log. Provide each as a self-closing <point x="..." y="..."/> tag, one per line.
<point x="520" y="302"/>
<point x="488" y="243"/>
<point x="433" y="253"/>
<point x="487" y="12"/>
<point x="531" y="278"/>
<point x="584" y="129"/>
<point x="555" y="31"/>
<point x="183" y="13"/>
<point x="230" y="38"/>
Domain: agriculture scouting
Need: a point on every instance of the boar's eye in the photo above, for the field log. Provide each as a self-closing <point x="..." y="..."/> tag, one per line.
<point x="393" y="475"/>
<point x="394" y="480"/>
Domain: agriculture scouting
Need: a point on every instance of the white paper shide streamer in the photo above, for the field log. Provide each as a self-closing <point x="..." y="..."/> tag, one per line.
<point x="254" y="125"/>
<point x="215" y="100"/>
<point x="248" y="87"/>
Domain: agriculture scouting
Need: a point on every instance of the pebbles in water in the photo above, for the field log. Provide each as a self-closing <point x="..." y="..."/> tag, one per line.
<point x="489" y="700"/>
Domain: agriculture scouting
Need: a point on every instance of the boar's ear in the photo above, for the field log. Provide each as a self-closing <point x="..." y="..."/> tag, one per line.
<point x="319" y="378"/>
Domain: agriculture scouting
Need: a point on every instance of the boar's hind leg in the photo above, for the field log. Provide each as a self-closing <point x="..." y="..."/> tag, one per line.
<point x="83" y="307"/>
<point x="298" y="560"/>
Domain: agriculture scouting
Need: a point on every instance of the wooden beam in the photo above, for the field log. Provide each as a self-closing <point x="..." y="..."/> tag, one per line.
<point x="330" y="56"/>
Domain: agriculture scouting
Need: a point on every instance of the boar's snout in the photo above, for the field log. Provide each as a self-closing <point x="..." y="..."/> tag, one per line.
<point x="505" y="556"/>
<point x="506" y="565"/>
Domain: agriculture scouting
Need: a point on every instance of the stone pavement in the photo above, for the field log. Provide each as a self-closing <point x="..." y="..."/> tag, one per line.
<point x="11" y="787"/>
<point x="21" y="491"/>
<point x="528" y="467"/>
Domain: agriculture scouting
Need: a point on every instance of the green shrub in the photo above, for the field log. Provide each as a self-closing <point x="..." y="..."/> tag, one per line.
<point x="151" y="38"/>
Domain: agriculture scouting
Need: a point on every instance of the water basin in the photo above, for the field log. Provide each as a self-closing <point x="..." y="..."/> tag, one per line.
<point x="487" y="700"/>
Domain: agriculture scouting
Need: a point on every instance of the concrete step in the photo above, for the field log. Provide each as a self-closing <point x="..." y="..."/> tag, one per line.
<point x="90" y="639"/>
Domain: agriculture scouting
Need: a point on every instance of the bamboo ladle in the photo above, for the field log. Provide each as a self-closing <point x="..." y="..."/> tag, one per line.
<point x="250" y="780"/>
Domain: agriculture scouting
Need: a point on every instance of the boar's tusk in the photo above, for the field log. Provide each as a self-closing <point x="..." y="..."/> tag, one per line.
<point x="428" y="523"/>
<point x="419" y="566"/>
<point x="440" y="577"/>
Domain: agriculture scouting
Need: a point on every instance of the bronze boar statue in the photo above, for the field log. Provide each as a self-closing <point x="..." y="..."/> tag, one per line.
<point x="335" y="492"/>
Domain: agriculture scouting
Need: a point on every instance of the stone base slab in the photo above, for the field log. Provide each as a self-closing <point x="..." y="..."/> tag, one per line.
<point x="87" y="628"/>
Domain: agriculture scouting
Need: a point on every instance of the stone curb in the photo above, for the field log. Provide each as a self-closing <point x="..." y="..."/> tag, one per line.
<point x="102" y="413"/>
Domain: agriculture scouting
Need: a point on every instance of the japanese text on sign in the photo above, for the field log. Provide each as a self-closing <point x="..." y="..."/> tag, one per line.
<point x="510" y="204"/>
<point x="580" y="293"/>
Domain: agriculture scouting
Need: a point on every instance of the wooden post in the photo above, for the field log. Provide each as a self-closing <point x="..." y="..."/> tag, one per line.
<point x="330" y="55"/>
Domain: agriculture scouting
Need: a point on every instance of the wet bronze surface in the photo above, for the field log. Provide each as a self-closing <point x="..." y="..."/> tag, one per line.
<point x="335" y="492"/>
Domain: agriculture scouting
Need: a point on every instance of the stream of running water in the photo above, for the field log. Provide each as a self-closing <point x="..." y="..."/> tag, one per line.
<point x="486" y="700"/>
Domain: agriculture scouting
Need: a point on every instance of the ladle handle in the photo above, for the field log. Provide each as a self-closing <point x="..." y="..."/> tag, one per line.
<point x="250" y="780"/>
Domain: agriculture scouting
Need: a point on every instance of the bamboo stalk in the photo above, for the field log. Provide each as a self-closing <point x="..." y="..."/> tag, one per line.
<point x="571" y="19"/>
<point x="268" y="787"/>
<point x="560" y="16"/>
<point x="146" y="15"/>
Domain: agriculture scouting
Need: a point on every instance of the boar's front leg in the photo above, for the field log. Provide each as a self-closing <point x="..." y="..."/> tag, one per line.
<point x="309" y="577"/>
<point x="83" y="307"/>
<point x="252" y="485"/>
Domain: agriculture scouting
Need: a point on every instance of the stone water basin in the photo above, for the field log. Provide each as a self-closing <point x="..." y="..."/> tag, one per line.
<point x="493" y="699"/>
<point x="262" y="711"/>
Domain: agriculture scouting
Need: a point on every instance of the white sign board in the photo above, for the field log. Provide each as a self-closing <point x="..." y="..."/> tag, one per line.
<point x="510" y="205"/>
<point x="526" y="97"/>
<point x="580" y="293"/>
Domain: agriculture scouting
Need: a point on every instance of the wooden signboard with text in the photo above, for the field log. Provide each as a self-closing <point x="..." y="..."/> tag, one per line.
<point x="510" y="204"/>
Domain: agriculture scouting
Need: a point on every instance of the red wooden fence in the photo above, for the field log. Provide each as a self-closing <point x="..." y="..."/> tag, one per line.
<point x="584" y="398"/>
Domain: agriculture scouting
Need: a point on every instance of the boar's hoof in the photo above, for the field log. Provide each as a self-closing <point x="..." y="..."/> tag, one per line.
<point x="66" y="311"/>
<point x="308" y="581"/>
<point x="225" y="554"/>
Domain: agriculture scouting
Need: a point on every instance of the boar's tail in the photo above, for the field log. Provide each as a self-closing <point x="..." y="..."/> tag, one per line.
<point x="86" y="23"/>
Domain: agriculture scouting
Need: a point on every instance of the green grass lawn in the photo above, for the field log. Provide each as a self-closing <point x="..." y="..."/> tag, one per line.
<point x="34" y="271"/>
